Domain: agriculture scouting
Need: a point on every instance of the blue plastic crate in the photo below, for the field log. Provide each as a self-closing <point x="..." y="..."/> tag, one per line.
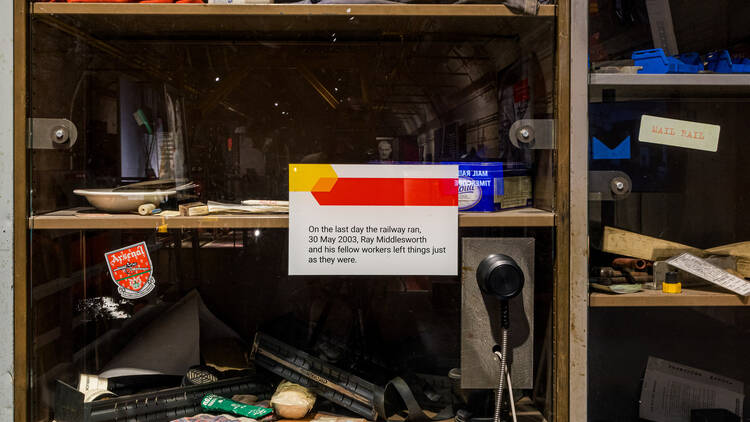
<point x="655" y="61"/>
<point x="721" y="62"/>
<point x="693" y="59"/>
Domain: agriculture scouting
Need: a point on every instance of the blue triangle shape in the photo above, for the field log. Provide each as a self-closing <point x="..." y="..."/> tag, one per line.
<point x="599" y="151"/>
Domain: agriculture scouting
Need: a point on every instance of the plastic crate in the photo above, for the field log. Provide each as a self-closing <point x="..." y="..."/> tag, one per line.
<point x="721" y="62"/>
<point x="655" y="61"/>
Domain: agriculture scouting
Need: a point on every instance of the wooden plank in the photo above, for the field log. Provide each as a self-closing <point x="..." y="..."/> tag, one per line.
<point x="249" y="28"/>
<point x="579" y="232"/>
<point x="741" y="249"/>
<point x="688" y="297"/>
<point x="129" y="221"/>
<point x="70" y="220"/>
<point x="561" y="294"/>
<point x="636" y="245"/>
<point x="524" y="217"/>
<point x="20" y="201"/>
<point x="105" y="22"/>
<point x="743" y="267"/>
<point x="174" y="10"/>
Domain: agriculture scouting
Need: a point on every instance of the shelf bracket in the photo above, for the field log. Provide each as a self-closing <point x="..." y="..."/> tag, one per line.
<point x="533" y="134"/>
<point x="52" y="134"/>
<point x="609" y="185"/>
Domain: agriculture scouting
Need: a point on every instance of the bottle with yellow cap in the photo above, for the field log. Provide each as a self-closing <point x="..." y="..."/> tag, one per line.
<point x="671" y="283"/>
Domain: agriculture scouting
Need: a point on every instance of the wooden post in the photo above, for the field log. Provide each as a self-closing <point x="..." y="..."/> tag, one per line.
<point x="20" y="212"/>
<point x="579" y="232"/>
<point x="561" y="302"/>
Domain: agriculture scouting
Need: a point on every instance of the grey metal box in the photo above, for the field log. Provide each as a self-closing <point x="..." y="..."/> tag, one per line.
<point x="480" y="316"/>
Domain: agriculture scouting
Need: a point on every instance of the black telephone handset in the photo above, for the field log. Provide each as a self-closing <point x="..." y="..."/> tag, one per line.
<point x="500" y="275"/>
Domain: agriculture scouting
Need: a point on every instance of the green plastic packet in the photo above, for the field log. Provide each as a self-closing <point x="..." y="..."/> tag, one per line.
<point x="218" y="403"/>
<point x="618" y="288"/>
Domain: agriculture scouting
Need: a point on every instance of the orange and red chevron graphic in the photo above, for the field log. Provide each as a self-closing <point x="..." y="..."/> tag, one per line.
<point x="329" y="189"/>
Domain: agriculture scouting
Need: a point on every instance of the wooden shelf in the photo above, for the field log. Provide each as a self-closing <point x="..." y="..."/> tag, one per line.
<point x="522" y="217"/>
<point x="630" y="87"/>
<point x="389" y="10"/>
<point x="299" y="22"/>
<point x="74" y="220"/>
<point x="689" y="297"/>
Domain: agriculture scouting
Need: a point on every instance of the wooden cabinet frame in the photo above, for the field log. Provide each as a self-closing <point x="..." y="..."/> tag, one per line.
<point x="20" y="212"/>
<point x="570" y="295"/>
<point x="579" y="232"/>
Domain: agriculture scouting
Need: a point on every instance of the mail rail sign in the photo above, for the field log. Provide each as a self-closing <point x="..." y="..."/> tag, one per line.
<point x="373" y="219"/>
<point x="679" y="133"/>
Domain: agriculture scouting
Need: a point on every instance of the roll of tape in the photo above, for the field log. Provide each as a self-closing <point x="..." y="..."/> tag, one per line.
<point x="146" y="209"/>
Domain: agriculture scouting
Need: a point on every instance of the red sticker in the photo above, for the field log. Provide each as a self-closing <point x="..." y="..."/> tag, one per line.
<point x="131" y="270"/>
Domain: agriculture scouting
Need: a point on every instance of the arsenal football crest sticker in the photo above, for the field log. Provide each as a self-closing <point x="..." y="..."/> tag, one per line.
<point x="131" y="270"/>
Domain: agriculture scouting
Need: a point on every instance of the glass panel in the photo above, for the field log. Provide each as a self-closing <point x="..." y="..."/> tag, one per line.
<point x="666" y="178"/>
<point x="172" y="110"/>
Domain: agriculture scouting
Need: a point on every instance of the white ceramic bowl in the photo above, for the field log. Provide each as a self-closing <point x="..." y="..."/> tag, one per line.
<point x="123" y="201"/>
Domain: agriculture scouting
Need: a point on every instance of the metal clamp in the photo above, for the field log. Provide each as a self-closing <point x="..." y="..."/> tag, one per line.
<point x="52" y="134"/>
<point x="533" y="134"/>
<point x="609" y="185"/>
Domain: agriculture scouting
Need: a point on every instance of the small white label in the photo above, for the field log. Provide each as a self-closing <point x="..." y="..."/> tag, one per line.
<point x="679" y="133"/>
<point x="701" y="268"/>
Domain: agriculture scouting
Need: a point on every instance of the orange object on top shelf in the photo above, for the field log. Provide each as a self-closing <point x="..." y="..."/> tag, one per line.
<point x="131" y="1"/>
<point x="102" y="1"/>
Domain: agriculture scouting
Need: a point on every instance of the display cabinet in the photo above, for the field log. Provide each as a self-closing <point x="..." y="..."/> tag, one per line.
<point x="121" y="106"/>
<point x="665" y="204"/>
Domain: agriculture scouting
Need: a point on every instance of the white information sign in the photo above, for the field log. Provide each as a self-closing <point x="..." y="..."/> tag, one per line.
<point x="373" y="219"/>
<point x="705" y="270"/>
<point x="670" y="391"/>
